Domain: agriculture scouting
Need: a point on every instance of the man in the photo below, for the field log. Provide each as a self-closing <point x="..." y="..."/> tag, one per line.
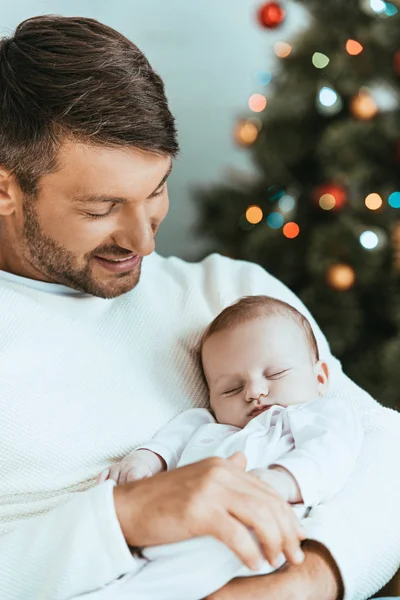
<point x="97" y="341"/>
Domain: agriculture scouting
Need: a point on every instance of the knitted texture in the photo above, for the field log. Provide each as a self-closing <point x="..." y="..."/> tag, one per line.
<point x="85" y="380"/>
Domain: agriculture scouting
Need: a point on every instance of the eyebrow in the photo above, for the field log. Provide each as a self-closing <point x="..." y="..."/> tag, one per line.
<point x="115" y="199"/>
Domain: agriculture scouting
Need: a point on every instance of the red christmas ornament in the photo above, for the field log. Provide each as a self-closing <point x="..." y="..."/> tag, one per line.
<point x="396" y="63"/>
<point x="330" y="196"/>
<point x="271" y="15"/>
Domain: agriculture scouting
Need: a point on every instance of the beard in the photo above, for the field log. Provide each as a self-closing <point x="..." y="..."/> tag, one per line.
<point x="59" y="265"/>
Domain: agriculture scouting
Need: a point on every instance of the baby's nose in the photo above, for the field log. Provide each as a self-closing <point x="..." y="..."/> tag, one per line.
<point x="256" y="390"/>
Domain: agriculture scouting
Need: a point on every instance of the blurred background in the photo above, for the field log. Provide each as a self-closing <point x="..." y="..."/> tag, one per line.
<point x="289" y="122"/>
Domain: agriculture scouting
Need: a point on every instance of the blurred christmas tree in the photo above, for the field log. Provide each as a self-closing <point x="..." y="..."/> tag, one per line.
<point x="323" y="211"/>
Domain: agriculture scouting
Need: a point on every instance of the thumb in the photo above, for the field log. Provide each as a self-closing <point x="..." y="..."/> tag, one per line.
<point x="239" y="460"/>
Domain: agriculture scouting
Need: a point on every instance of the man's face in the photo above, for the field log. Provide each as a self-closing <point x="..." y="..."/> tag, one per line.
<point x="102" y="205"/>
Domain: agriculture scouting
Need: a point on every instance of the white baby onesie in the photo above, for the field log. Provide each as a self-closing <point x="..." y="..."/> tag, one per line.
<point x="318" y="442"/>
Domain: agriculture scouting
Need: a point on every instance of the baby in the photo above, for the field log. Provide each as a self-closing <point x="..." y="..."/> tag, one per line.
<point x="267" y="390"/>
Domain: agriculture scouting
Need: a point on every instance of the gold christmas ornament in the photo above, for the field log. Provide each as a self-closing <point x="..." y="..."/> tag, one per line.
<point x="341" y="277"/>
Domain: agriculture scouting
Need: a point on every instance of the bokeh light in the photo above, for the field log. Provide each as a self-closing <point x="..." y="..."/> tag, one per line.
<point x="245" y="133"/>
<point x="373" y="201"/>
<point x="275" y="192"/>
<point x="254" y="214"/>
<point x="319" y="60"/>
<point x="282" y="49"/>
<point x="341" y="277"/>
<point x="328" y="96"/>
<point x="390" y="10"/>
<point x="363" y="106"/>
<point x="275" y="220"/>
<point x="378" y="6"/>
<point x="286" y="203"/>
<point x="257" y="102"/>
<point x="369" y="240"/>
<point x="263" y="77"/>
<point x="327" y="201"/>
<point x="353" y="47"/>
<point x="291" y="230"/>
<point x="394" y="200"/>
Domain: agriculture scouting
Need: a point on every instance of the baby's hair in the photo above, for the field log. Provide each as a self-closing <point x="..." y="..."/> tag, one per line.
<point x="250" y="308"/>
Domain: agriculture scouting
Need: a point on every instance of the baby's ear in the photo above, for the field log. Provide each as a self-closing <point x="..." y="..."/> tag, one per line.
<point x="322" y="374"/>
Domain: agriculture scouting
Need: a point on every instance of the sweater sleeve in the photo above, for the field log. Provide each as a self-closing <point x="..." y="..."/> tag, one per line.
<point x="171" y="440"/>
<point x="73" y="549"/>
<point x="327" y="441"/>
<point x="360" y="526"/>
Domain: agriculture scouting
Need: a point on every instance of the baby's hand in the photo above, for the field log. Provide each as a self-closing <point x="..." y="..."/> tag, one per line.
<point x="139" y="464"/>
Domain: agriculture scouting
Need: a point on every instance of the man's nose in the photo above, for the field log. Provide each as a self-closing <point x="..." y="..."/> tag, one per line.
<point x="256" y="389"/>
<point x="136" y="231"/>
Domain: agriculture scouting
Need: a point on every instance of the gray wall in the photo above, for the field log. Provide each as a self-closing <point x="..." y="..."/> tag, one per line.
<point x="207" y="53"/>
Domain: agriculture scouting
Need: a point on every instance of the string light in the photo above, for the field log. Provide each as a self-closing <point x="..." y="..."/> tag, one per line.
<point x="341" y="277"/>
<point x="263" y="78"/>
<point x="282" y="49"/>
<point x="275" y="220"/>
<point x="390" y="10"/>
<point x="363" y="106"/>
<point x="319" y="60"/>
<point x="369" y="240"/>
<point x="257" y="102"/>
<point x="246" y="133"/>
<point x="291" y="230"/>
<point x="254" y="214"/>
<point x="373" y="201"/>
<point x="328" y="101"/>
<point x="328" y="96"/>
<point x="286" y="203"/>
<point x="327" y="201"/>
<point x="394" y="200"/>
<point x="353" y="47"/>
<point x="378" y="6"/>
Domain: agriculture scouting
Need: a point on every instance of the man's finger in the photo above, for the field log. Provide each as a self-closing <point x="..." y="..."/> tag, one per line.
<point x="237" y="537"/>
<point x="238" y="459"/>
<point x="291" y="539"/>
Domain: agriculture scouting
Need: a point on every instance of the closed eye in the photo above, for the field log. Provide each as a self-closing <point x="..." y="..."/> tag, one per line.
<point x="101" y="215"/>
<point x="277" y="375"/>
<point x="233" y="391"/>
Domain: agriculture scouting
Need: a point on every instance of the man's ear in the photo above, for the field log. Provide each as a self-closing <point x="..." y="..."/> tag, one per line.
<point x="7" y="198"/>
<point x="322" y="374"/>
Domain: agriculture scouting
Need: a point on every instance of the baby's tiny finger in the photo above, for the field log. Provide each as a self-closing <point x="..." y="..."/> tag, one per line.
<point x="114" y="473"/>
<point x="103" y="476"/>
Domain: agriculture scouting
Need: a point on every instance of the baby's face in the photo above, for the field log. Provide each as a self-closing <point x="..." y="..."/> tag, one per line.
<point x="259" y="363"/>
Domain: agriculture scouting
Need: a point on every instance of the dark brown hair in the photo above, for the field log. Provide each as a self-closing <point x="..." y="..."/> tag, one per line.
<point x="74" y="77"/>
<point x="249" y="308"/>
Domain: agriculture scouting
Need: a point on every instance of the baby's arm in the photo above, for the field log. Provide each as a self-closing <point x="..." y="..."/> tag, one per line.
<point x="162" y="452"/>
<point x="282" y="481"/>
<point x="327" y="436"/>
<point x="139" y="464"/>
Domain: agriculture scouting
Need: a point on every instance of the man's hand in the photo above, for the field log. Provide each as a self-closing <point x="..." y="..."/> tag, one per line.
<point x="317" y="578"/>
<point x="212" y="497"/>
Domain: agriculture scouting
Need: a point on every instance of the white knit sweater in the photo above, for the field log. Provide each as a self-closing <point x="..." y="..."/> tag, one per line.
<point x="84" y="380"/>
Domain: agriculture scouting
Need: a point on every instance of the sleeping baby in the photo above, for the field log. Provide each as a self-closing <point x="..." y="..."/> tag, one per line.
<point x="268" y="399"/>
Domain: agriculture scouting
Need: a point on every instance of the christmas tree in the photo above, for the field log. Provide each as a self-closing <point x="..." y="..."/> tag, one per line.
<point x="322" y="212"/>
